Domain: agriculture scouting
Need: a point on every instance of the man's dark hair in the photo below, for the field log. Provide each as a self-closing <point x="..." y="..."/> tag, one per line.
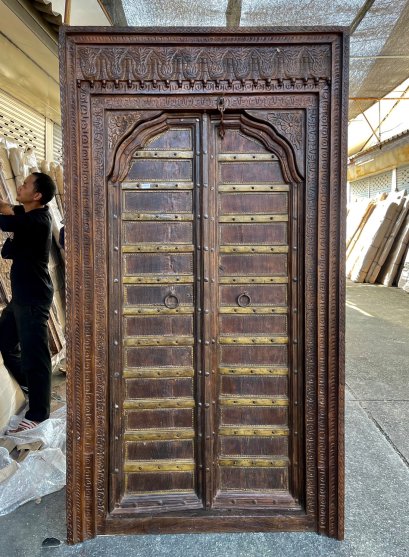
<point x="44" y="184"/>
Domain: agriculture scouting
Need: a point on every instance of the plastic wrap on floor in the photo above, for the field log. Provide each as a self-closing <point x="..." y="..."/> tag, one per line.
<point x="27" y="474"/>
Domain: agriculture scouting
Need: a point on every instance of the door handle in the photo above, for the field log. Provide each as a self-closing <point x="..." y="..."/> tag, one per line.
<point x="244" y="299"/>
<point x="171" y="301"/>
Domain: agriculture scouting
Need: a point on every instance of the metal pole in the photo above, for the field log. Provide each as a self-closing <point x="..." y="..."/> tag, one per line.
<point x="67" y="12"/>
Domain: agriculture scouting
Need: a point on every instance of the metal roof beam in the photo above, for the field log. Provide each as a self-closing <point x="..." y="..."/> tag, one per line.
<point x="361" y="14"/>
<point x="233" y="13"/>
<point x="114" y="11"/>
<point x="381" y="121"/>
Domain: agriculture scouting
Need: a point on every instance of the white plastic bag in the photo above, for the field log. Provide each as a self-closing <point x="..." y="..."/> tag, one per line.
<point x="41" y="472"/>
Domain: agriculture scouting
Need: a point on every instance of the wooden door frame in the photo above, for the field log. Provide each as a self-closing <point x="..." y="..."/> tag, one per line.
<point x="108" y="77"/>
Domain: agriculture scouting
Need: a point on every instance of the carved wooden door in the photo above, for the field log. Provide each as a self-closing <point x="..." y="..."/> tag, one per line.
<point x="204" y="291"/>
<point x="210" y="398"/>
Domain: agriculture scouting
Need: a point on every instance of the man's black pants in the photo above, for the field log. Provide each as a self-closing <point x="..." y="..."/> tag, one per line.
<point x="25" y="351"/>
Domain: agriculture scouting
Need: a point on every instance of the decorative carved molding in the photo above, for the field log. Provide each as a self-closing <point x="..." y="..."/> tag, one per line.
<point x="276" y="145"/>
<point x="210" y="65"/>
<point x="252" y="128"/>
<point x="118" y="124"/>
<point x="290" y="125"/>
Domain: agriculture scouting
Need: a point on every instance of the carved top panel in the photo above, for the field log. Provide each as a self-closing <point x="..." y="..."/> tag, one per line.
<point x="208" y="65"/>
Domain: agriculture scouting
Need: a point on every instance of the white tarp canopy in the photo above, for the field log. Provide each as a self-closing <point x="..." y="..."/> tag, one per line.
<point x="379" y="39"/>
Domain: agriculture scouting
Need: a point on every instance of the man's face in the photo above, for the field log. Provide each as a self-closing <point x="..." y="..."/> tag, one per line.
<point x="26" y="193"/>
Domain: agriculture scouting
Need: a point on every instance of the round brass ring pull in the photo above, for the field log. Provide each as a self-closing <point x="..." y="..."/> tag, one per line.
<point x="244" y="300"/>
<point x="171" y="301"/>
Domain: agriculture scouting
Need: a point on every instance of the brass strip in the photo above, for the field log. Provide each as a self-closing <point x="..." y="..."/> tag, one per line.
<point x="152" y="248"/>
<point x="159" y="341"/>
<point x="151" y="493"/>
<point x="253" y="280"/>
<point x="159" y="435"/>
<point x="253" y="218"/>
<point x="154" y="403"/>
<point x="254" y="463"/>
<point x="158" y="216"/>
<point x="137" y="310"/>
<point x="253" y="340"/>
<point x="157" y="185"/>
<point x="253" y="249"/>
<point x="252" y="188"/>
<point x="256" y="310"/>
<point x="152" y="154"/>
<point x="248" y="157"/>
<point x="253" y="371"/>
<point x="158" y="373"/>
<point x="159" y="466"/>
<point x="241" y="401"/>
<point x="154" y="279"/>
<point x="255" y="431"/>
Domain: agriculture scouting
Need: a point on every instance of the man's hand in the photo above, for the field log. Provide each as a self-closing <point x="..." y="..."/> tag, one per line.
<point x="5" y="208"/>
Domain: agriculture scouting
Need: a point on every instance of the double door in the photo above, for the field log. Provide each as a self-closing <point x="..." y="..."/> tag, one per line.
<point x="205" y="231"/>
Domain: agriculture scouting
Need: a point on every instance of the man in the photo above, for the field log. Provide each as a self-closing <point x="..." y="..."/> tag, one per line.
<point x="23" y="323"/>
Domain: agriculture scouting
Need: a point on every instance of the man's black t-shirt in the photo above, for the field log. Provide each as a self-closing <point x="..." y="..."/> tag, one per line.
<point x="30" y="279"/>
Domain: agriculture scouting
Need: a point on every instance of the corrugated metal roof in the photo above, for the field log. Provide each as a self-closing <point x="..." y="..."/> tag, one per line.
<point x="45" y="10"/>
<point x="398" y="138"/>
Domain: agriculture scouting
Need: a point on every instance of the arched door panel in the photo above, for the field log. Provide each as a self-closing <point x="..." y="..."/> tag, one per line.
<point x="210" y="403"/>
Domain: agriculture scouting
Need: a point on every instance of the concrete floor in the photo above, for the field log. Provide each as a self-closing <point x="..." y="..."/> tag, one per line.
<point x="377" y="463"/>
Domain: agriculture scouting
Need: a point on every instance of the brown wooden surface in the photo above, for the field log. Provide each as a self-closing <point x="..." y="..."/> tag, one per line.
<point x="204" y="280"/>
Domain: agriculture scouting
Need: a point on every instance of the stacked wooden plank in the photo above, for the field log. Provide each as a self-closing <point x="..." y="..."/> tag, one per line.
<point x="378" y="239"/>
<point x="403" y="280"/>
<point x="15" y="165"/>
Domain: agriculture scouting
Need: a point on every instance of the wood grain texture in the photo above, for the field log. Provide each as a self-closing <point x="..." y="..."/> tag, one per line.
<point x="256" y="429"/>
